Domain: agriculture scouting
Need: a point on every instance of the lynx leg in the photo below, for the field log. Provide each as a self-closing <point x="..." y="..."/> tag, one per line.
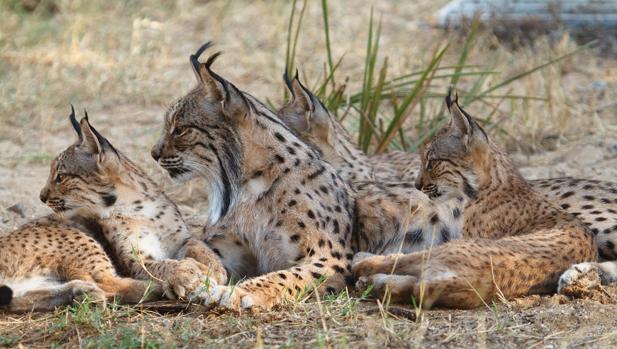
<point x="208" y="261"/>
<point x="48" y="298"/>
<point x="446" y="290"/>
<point x="399" y="287"/>
<point x="129" y="290"/>
<point x="367" y="264"/>
<point x="466" y="273"/>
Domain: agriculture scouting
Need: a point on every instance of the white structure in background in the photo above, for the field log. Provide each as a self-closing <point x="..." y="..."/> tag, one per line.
<point x="573" y="14"/>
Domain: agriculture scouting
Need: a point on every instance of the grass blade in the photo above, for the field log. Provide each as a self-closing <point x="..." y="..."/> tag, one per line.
<point x="410" y="101"/>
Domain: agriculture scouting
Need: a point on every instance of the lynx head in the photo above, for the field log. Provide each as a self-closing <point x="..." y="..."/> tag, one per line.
<point x="308" y="117"/>
<point x="459" y="158"/>
<point x="83" y="176"/>
<point x="201" y="135"/>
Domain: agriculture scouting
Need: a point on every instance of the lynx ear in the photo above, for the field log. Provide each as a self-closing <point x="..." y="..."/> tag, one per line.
<point x="204" y="74"/>
<point x="299" y="109"/>
<point x="462" y="124"/>
<point x="306" y="110"/>
<point x="301" y="96"/>
<point x="93" y="142"/>
<point x="233" y="100"/>
<point x="458" y="121"/>
<point x="89" y="143"/>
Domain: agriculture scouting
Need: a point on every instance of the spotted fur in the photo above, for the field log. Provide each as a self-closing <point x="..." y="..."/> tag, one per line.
<point x="393" y="216"/>
<point x="51" y="262"/>
<point x="143" y="227"/>
<point x="593" y="202"/>
<point x="280" y="218"/>
<point x="515" y="241"/>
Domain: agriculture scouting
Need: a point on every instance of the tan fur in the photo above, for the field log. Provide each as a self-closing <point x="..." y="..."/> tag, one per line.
<point x="516" y="242"/>
<point x="593" y="202"/>
<point x="143" y="227"/>
<point x="276" y="209"/>
<point x="393" y="216"/>
<point x="395" y="165"/>
<point x="50" y="249"/>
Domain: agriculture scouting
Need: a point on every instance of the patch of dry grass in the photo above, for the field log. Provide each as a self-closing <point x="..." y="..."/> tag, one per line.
<point x="102" y="54"/>
<point x="333" y="322"/>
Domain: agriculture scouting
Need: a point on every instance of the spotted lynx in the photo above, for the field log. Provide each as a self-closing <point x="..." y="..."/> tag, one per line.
<point x="279" y="216"/>
<point x="145" y="230"/>
<point x="515" y="242"/>
<point x="392" y="216"/>
<point x="593" y="202"/>
<point x="51" y="262"/>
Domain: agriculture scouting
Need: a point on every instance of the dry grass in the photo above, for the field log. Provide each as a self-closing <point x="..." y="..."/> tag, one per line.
<point x="103" y="54"/>
<point x="125" y="61"/>
<point x="334" y="322"/>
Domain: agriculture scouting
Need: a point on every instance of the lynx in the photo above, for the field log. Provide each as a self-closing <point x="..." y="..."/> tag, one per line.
<point x="515" y="242"/>
<point x="144" y="228"/>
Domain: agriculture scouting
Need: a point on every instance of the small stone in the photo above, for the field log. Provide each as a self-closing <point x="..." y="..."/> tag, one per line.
<point x="599" y="85"/>
<point x="18" y="209"/>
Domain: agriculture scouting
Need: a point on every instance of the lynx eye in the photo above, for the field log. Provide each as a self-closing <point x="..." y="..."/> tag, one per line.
<point x="59" y="178"/>
<point x="179" y="131"/>
<point x="430" y="164"/>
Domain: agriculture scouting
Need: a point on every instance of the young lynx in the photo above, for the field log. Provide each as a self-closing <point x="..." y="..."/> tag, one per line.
<point x="143" y="227"/>
<point x="50" y="262"/>
<point x="593" y="202"/>
<point x="515" y="241"/>
<point x="392" y="216"/>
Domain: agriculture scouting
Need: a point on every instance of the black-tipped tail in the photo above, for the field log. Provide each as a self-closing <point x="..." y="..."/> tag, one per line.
<point x="6" y="295"/>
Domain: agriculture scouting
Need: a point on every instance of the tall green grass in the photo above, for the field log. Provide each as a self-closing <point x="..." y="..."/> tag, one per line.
<point x="387" y="108"/>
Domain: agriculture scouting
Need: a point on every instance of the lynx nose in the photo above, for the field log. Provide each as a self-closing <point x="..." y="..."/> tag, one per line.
<point x="418" y="183"/>
<point x="156" y="152"/>
<point x="44" y="195"/>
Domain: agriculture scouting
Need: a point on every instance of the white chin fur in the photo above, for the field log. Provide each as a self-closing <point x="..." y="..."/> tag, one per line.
<point x="215" y="204"/>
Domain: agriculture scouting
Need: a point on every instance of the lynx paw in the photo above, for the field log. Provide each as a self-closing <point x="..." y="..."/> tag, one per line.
<point x="232" y="298"/>
<point x="187" y="278"/>
<point x="580" y="277"/>
<point x="86" y="290"/>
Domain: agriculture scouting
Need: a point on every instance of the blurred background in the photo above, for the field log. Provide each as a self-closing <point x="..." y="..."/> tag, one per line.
<point x="542" y="86"/>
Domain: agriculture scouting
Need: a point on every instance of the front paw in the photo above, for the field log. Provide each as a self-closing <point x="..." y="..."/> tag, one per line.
<point x="579" y="279"/>
<point x="86" y="290"/>
<point x="187" y="278"/>
<point x="230" y="297"/>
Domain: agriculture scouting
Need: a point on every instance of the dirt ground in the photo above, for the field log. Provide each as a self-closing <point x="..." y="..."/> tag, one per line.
<point x="127" y="63"/>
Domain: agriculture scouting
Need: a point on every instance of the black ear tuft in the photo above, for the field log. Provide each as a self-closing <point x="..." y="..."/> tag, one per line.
<point x="75" y="123"/>
<point x="217" y="77"/>
<point x="195" y="57"/>
<point x="228" y="87"/>
<point x="314" y="100"/>
<point x="212" y="58"/>
<point x="449" y="100"/>
<point x="288" y="82"/>
<point x="6" y="295"/>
